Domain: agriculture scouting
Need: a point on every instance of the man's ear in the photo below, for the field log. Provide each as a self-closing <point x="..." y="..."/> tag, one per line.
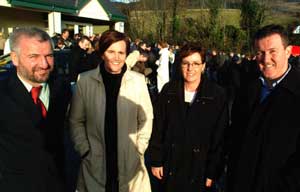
<point x="288" y="50"/>
<point x="14" y="58"/>
<point x="203" y="67"/>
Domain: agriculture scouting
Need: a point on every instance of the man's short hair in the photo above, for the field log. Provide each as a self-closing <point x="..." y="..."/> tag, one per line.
<point x="65" y="30"/>
<point x="83" y="38"/>
<point x="142" y="43"/>
<point x="144" y="53"/>
<point x="269" y="30"/>
<point x="31" y="32"/>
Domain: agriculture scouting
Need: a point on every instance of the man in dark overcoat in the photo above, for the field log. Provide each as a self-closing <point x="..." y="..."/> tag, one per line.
<point x="31" y="140"/>
<point x="264" y="140"/>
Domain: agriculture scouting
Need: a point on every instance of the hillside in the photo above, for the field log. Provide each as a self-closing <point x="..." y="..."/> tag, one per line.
<point x="283" y="13"/>
<point x="278" y="11"/>
<point x="152" y="24"/>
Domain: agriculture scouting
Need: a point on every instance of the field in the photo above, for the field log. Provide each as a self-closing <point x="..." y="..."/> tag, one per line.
<point x="147" y="22"/>
<point x="284" y="13"/>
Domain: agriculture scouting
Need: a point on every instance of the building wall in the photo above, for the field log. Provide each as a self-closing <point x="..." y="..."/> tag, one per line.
<point x="4" y="3"/>
<point x="93" y="10"/>
<point x="100" y="29"/>
<point x="11" y="18"/>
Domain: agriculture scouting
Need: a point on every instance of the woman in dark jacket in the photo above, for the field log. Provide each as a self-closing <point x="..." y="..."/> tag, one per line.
<point x="187" y="138"/>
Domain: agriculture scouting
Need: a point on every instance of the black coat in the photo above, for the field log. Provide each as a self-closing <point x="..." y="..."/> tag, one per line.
<point x="79" y="57"/>
<point x="81" y="61"/>
<point x="264" y="140"/>
<point x="31" y="156"/>
<point x="187" y="140"/>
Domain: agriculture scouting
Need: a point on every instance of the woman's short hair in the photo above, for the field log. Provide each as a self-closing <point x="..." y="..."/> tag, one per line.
<point x="190" y="49"/>
<point x="109" y="37"/>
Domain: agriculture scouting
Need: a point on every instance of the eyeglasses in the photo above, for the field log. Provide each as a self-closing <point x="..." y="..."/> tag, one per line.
<point x="194" y="64"/>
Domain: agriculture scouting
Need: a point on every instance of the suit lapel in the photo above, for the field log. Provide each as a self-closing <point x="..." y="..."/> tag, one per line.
<point x="255" y="111"/>
<point x="52" y="96"/>
<point x="23" y="98"/>
<point x="55" y="88"/>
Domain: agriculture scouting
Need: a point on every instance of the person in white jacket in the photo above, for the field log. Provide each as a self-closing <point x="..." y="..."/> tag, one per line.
<point x="111" y="122"/>
<point x="163" y="65"/>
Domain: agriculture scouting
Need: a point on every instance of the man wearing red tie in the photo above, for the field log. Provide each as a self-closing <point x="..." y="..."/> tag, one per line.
<point x="32" y="112"/>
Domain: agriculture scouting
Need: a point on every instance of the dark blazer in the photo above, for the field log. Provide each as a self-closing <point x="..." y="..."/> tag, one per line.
<point x="264" y="140"/>
<point x="31" y="149"/>
<point x="188" y="141"/>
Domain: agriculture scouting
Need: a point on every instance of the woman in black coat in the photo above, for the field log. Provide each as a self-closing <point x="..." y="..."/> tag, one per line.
<point x="187" y="138"/>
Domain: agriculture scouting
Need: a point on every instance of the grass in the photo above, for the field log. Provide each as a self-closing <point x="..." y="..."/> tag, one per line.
<point x="283" y="13"/>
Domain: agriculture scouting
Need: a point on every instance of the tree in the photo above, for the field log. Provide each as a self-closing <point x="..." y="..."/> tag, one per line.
<point x="175" y="19"/>
<point x="234" y="39"/>
<point x="214" y="28"/>
<point x="252" y="16"/>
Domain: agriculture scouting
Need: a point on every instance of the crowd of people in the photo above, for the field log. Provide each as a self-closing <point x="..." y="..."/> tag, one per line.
<point x="143" y="118"/>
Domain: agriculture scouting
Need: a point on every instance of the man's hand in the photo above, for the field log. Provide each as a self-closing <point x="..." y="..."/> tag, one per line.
<point x="157" y="172"/>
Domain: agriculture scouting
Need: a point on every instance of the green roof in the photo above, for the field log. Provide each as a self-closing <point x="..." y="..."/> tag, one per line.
<point x="69" y="6"/>
<point x="113" y="13"/>
<point x="64" y="6"/>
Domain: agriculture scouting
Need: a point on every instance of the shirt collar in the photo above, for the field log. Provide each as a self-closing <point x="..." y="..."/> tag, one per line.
<point x="27" y="85"/>
<point x="274" y="84"/>
<point x="44" y="94"/>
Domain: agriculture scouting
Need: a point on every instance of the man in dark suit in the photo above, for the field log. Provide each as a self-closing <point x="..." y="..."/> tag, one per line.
<point x="265" y="136"/>
<point x="31" y="130"/>
<point x="81" y="60"/>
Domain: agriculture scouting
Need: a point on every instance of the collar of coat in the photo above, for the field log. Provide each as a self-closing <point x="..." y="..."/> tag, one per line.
<point x="13" y="87"/>
<point x="291" y="82"/>
<point x="96" y="74"/>
<point x="206" y="89"/>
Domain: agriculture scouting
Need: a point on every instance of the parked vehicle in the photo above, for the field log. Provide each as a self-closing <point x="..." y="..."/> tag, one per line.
<point x="61" y="60"/>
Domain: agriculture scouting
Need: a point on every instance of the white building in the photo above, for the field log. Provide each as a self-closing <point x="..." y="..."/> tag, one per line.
<point x="86" y="16"/>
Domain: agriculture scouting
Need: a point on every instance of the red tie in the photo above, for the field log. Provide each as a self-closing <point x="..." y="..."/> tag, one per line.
<point x="35" y="92"/>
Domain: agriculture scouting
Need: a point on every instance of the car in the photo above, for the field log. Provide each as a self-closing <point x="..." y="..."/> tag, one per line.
<point x="6" y="66"/>
<point x="61" y="61"/>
